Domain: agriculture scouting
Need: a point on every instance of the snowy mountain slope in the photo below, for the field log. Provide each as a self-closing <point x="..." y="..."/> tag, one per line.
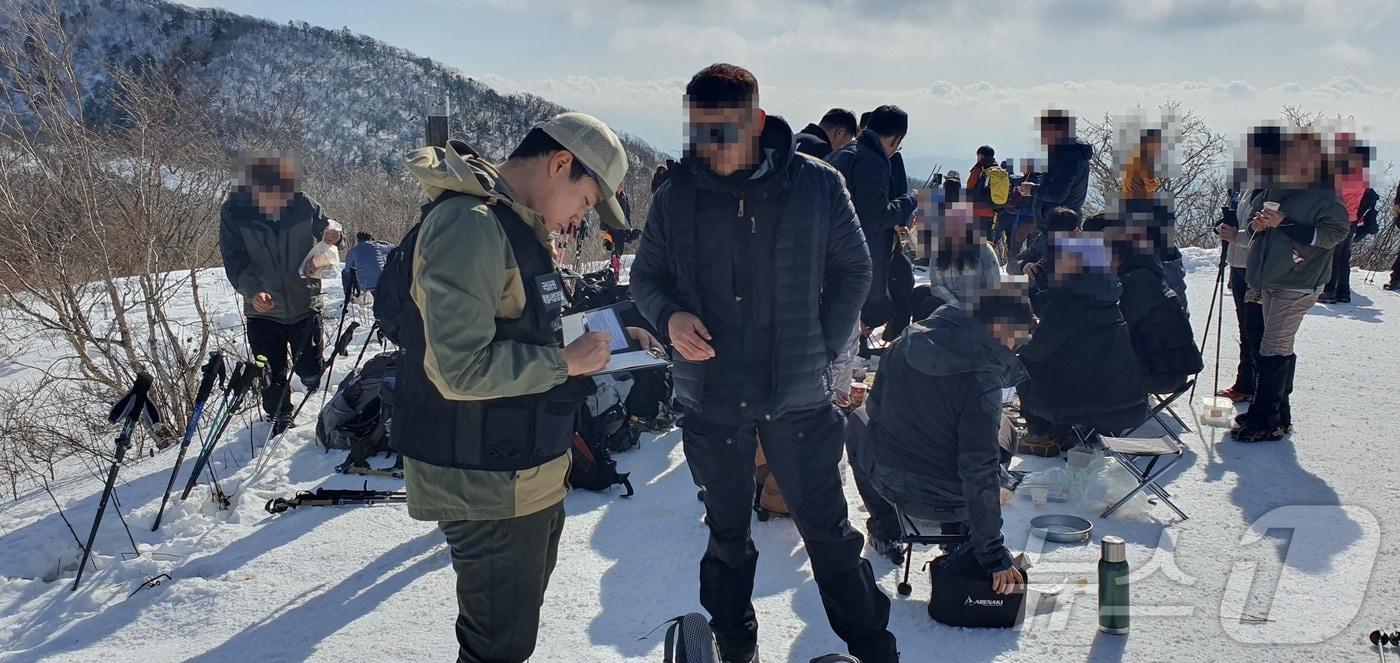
<point x="349" y="97"/>
<point x="370" y="584"/>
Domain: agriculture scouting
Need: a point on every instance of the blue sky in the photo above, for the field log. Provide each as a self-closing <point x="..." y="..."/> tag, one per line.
<point x="966" y="78"/>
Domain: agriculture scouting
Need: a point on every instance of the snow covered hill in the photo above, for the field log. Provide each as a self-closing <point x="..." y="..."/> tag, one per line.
<point x="351" y="98"/>
<point x="1319" y="571"/>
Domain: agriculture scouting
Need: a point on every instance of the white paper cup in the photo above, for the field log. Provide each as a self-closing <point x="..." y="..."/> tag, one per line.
<point x="1271" y="206"/>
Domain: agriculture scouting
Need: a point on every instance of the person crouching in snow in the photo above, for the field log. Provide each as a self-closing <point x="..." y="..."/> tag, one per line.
<point x="937" y="436"/>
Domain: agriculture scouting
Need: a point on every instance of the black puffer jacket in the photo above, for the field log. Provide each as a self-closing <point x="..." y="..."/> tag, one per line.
<point x="1081" y="362"/>
<point x="935" y="414"/>
<point x="1160" y="331"/>
<point x="820" y="269"/>
<point x="1065" y="182"/>
<point x="869" y="176"/>
<point x="813" y="141"/>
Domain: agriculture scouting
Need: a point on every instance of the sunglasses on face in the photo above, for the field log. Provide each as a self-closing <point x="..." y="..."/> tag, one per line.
<point x="714" y="133"/>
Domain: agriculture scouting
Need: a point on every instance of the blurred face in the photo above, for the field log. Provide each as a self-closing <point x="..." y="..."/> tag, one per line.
<point x="725" y="139"/>
<point x="957" y="222"/>
<point x="272" y="200"/>
<point x="1302" y="161"/>
<point x="1051" y="136"/>
<point x="331" y="236"/>
<point x="564" y="202"/>
<point x="1027" y="168"/>
<point x="892" y="144"/>
<point x="1011" y="335"/>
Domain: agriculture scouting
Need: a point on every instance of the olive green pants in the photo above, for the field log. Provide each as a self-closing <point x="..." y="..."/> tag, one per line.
<point x="503" y="568"/>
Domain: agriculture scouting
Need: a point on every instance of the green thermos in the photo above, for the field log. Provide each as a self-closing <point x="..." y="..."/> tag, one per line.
<point x="1113" y="586"/>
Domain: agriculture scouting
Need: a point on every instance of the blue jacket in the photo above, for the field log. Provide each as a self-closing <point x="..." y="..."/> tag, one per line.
<point x="365" y="262"/>
<point x="1065" y="182"/>
<point x="820" y="270"/>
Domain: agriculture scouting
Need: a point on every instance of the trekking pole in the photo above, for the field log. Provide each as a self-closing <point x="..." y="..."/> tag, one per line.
<point x="1217" y="291"/>
<point x="133" y="407"/>
<point x="372" y="328"/>
<point x="245" y="375"/>
<point x="341" y="348"/>
<point x="213" y="370"/>
<point x="1219" y="322"/>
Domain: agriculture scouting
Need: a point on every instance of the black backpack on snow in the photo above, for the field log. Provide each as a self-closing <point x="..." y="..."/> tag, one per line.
<point x="593" y="467"/>
<point x="357" y="416"/>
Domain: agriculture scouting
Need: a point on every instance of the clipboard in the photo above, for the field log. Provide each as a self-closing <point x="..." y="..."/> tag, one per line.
<point x="627" y="354"/>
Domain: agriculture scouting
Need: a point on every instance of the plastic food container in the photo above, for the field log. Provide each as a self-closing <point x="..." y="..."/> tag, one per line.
<point x="1219" y="412"/>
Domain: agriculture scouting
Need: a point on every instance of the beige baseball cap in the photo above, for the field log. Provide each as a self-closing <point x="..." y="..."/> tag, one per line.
<point x="600" y="151"/>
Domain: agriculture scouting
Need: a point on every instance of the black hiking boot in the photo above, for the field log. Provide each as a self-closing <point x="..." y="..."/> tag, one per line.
<point x="1327" y="298"/>
<point x="281" y="422"/>
<point x="892" y="550"/>
<point x="311" y="383"/>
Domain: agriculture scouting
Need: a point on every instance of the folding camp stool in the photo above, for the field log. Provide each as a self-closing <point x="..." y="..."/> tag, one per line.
<point x="909" y="534"/>
<point x="1129" y="451"/>
<point x="1164" y="404"/>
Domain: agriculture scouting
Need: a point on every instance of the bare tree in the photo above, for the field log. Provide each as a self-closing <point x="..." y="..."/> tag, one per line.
<point x="103" y="229"/>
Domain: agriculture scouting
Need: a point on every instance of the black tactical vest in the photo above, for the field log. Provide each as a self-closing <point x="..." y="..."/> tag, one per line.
<point x="502" y="434"/>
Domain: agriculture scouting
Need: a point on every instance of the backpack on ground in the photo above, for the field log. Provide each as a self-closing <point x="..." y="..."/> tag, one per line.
<point x="357" y="416"/>
<point x="594" y="290"/>
<point x="996" y="184"/>
<point x="593" y="467"/>
<point x="689" y="639"/>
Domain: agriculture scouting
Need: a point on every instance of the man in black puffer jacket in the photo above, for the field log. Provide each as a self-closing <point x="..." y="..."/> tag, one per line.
<point x="753" y="267"/>
<point x="866" y="165"/>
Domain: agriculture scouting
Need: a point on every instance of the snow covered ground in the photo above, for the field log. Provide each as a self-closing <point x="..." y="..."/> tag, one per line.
<point x="1289" y="554"/>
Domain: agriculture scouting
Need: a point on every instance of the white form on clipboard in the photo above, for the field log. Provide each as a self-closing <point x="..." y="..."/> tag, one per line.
<point x="627" y="354"/>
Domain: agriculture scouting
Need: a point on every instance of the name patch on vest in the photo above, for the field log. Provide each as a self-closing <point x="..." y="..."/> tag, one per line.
<point x="551" y="290"/>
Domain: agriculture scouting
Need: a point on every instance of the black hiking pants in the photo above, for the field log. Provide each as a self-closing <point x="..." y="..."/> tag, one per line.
<point x="1250" y="317"/>
<point x="1340" y="282"/>
<point x="276" y="341"/>
<point x="503" y="568"/>
<point x="803" y="451"/>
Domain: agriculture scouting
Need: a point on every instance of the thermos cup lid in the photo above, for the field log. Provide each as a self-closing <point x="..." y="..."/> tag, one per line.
<point x="1114" y="549"/>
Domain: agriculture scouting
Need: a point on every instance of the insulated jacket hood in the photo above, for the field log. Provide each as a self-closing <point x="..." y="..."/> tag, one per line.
<point x="462" y="170"/>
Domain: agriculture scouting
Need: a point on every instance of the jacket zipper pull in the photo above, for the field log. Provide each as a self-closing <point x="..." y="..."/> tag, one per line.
<point x="741" y="207"/>
<point x="753" y="225"/>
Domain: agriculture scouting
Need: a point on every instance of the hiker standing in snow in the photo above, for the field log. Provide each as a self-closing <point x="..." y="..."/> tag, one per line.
<point x="266" y="229"/>
<point x="836" y="128"/>
<point x="487" y="393"/>
<point x="1352" y="179"/>
<point x="979" y="192"/>
<point x="753" y="264"/>
<point x="1263" y="152"/>
<point x="1065" y="182"/>
<point x="866" y="165"/>
<point x="1141" y="196"/>
<point x="1299" y="222"/>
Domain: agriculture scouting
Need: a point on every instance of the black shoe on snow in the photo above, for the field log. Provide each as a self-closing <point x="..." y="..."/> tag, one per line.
<point x="1327" y="298"/>
<point x="1341" y="299"/>
<point x="312" y="383"/>
<point x="1250" y="434"/>
<point x="891" y="550"/>
<point x="1389" y="286"/>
